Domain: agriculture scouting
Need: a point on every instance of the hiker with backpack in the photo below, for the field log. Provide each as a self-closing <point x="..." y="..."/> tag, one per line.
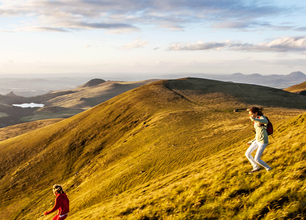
<point x="261" y="139"/>
<point x="61" y="203"/>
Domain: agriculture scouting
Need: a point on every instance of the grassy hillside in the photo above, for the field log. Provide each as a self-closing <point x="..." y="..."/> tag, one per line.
<point x="168" y="150"/>
<point x="16" y="130"/>
<point x="297" y="88"/>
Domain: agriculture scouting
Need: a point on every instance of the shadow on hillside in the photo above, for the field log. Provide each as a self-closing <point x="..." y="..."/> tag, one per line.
<point x="190" y="88"/>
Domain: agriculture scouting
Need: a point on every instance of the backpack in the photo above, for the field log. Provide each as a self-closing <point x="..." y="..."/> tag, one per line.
<point x="269" y="127"/>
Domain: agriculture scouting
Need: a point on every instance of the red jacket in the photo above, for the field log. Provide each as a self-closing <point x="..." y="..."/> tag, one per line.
<point x="61" y="203"/>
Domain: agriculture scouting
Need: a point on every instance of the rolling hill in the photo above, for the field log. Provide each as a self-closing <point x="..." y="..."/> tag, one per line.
<point x="171" y="149"/>
<point x="300" y="88"/>
<point x="63" y="103"/>
<point x="92" y="93"/>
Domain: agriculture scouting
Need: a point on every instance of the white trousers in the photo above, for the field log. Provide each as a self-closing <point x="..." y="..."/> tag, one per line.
<point x="257" y="161"/>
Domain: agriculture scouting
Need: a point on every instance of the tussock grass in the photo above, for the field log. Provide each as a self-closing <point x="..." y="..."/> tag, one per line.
<point x="167" y="150"/>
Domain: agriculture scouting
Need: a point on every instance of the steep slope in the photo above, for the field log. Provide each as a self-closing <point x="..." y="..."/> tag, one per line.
<point x="218" y="187"/>
<point x="142" y="140"/>
<point x="300" y="88"/>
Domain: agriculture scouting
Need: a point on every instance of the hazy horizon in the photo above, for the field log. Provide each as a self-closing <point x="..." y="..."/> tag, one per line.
<point x="128" y="77"/>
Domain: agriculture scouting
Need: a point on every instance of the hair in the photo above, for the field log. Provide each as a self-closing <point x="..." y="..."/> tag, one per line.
<point x="58" y="189"/>
<point x="256" y="109"/>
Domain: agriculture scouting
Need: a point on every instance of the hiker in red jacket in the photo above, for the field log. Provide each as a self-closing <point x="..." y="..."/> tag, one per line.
<point x="61" y="203"/>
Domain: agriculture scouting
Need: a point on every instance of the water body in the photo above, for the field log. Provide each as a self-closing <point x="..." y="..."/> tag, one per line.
<point x="29" y="105"/>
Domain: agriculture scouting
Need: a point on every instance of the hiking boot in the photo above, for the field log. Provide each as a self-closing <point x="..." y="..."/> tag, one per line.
<point x="254" y="170"/>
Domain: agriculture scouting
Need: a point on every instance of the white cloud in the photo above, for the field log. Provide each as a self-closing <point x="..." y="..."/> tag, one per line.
<point x="200" y="45"/>
<point x="122" y="14"/>
<point x="48" y="29"/>
<point x="284" y="44"/>
<point x="138" y="43"/>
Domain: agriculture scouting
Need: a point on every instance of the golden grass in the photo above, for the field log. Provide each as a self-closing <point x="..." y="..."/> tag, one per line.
<point x="16" y="130"/>
<point x="167" y="150"/>
<point x="297" y="88"/>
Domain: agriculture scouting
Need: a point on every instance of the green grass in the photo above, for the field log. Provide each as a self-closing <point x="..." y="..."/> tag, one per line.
<point x="3" y="114"/>
<point x="167" y="150"/>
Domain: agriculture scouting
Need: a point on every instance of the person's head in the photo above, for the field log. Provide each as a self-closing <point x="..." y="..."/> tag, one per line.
<point x="58" y="189"/>
<point x="255" y="111"/>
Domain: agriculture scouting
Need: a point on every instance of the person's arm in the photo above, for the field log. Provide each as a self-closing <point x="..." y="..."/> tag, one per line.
<point x="261" y="120"/>
<point x="250" y="142"/>
<point x="56" y="206"/>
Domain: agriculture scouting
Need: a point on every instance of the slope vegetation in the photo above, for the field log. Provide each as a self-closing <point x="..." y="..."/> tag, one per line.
<point x="19" y="129"/>
<point x="300" y="88"/>
<point x="168" y="150"/>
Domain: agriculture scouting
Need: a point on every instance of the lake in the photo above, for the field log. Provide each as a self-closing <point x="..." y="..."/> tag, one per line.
<point x="29" y="105"/>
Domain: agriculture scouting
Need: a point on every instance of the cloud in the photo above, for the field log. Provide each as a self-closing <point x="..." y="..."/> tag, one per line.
<point x="200" y="45"/>
<point x="138" y="43"/>
<point x="48" y="29"/>
<point x="284" y="44"/>
<point x="130" y="14"/>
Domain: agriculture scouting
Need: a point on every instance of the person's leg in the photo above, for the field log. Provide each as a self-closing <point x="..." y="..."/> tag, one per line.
<point x="56" y="217"/>
<point x="261" y="148"/>
<point x="62" y="218"/>
<point x="248" y="154"/>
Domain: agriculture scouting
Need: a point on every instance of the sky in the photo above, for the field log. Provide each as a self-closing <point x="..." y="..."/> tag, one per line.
<point x="150" y="38"/>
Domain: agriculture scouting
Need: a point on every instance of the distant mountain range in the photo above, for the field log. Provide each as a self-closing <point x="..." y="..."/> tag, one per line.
<point x="33" y="86"/>
<point x="275" y="81"/>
